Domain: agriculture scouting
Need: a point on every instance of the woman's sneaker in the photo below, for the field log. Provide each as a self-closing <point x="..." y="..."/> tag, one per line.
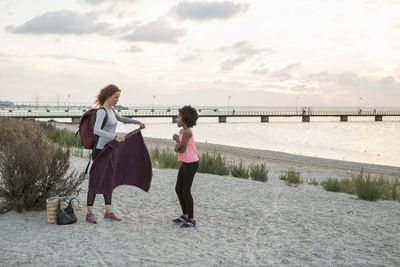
<point x="180" y="220"/>
<point x="189" y="224"/>
<point x="91" y="218"/>
<point x="111" y="217"/>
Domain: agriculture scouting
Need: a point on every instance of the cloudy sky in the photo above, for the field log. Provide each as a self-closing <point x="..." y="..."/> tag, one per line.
<point x="245" y="52"/>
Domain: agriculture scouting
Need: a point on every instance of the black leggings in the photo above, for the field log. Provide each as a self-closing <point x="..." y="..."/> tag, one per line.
<point x="92" y="196"/>
<point x="183" y="186"/>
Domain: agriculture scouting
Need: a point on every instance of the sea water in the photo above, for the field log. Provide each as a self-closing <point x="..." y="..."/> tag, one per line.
<point x="359" y="139"/>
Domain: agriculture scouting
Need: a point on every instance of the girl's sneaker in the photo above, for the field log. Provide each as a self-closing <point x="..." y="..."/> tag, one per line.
<point x="91" y="218"/>
<point x="189" y="224"/>
<point x="180" y="220"/>
<point x="111" y="217"/>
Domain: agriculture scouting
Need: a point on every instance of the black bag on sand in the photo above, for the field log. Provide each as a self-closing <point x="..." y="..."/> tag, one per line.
<point x="66" y="216"/>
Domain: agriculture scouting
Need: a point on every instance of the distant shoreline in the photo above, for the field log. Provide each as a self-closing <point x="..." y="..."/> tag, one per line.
<point x="285" y="160"/>
<point x="278" y="160"/>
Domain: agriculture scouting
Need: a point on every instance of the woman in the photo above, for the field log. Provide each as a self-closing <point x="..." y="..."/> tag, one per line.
<point x="108" y="97"/>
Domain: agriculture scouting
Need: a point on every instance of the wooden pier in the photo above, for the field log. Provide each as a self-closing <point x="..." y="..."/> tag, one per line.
<point x="305" y="114"/>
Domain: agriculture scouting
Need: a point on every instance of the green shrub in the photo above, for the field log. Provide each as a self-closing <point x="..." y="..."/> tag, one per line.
<point x="348" y="186"/>
<point x="365" y="187"/>
<point x="32" y="168"/>
<point x="395" y="190"/>
<point x="283" y="177"/>
<point x="259" y="172"/>
<point x="214" y="164"/>
<point x="368" y="189"/>
<point x="335" y="185"/>
<point x="62" y="137"/>
<point x="294" y="177"/>
<point x="164" y="158"/>
<point x="291" y="177"/>
<point x="154" y="154"/>
<point x="395" y="194"/>
<point x="388" y="190"/>
<point x="209" y="163"/>
<point x="168" y="160"/>
<point x="239" y="170"/>
<point x="332" y="185"/>
<point x="206" y="163"/>
<point x="313" y="182"/>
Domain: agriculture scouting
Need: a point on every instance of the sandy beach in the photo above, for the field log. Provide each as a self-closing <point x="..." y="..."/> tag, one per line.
<point x="240" y="223"/>
<point x="279" y="162"/>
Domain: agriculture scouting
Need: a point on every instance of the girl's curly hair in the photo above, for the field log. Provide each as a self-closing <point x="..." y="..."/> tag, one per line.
<point x="189" y="115"/>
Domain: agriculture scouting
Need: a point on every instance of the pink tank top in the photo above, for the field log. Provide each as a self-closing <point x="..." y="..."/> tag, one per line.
<point x="190" y="154"/>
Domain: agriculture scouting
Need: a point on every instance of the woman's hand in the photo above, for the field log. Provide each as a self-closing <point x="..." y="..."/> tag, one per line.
<point x="142" y="125"/>
<point x="176" y="137"/>
<point x="119" y="138"/>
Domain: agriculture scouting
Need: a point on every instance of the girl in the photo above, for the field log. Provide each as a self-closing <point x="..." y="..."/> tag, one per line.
<point x="108" y="97"/>
<point x="187" y="154"/>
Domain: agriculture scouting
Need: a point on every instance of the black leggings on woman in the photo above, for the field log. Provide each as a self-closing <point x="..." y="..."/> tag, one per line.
<point x="184" y="184"/>
<point x="92" y="196"/>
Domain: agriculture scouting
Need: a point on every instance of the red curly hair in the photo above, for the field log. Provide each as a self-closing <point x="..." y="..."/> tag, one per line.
<point x="105" y="93"/>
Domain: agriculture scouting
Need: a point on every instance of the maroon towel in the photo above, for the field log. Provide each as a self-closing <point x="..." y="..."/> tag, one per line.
<point x="125" y="163"/>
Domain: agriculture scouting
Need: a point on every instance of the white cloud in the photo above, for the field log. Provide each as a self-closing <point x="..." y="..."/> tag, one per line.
<point x="230" y="63"/>
<point x="188" y="58"/>
<point x="358" y="84"/>
<point x="97" y="2"/>
<point x="134" y="49"/>
<point x="344" y="88"/>
<point x="158" y="31"/>
<point x="286" y="73"/>
<point x="62" y="22"/>
<point x="243" y="50"/>
<point x="202" y="10"/>
<point x="260" y="71"/>
<point x="246" y="48"/>
<point x="82" y="59"/>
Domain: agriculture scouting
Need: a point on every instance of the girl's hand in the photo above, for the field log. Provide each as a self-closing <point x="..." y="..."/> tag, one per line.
<point x="119" y="138"/>
<point x="142" y="125"/>
<point x="176" y="137"/>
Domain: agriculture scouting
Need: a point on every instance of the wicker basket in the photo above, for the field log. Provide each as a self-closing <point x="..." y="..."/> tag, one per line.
<point x="51" y="206"/>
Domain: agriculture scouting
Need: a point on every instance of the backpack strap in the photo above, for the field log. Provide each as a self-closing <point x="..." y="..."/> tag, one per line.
<point x="105" y="118"/>
<point x="87" y="166"/>
<point x="102" y="126"/>
<point x="113" y="110"/>
<point x="97" y="139"/>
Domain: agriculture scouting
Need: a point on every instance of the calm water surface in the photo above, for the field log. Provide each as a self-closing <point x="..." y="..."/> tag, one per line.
<point x="359" y="139"/>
